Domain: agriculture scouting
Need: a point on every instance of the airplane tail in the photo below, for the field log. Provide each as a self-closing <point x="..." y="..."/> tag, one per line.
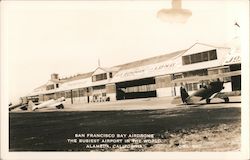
<point x="31" y="105"/>
<point x="184" y="95"/>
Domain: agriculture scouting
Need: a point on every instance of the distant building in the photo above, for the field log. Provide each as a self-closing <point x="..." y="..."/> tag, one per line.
<point x="158" y="76"/>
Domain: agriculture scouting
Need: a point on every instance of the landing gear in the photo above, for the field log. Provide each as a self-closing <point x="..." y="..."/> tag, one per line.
<point x="61" y="106"/>
<point x="208" y="101"/>
<point x="226" y="99"/>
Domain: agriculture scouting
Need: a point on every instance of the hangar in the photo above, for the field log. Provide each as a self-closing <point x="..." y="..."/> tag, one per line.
<point x="158" y="76"/>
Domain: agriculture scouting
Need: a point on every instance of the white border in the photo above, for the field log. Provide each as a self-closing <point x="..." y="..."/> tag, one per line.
<point x="244" y="154"/>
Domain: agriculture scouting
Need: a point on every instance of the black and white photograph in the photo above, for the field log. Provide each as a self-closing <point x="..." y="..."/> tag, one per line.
<point x="145" y="78"/>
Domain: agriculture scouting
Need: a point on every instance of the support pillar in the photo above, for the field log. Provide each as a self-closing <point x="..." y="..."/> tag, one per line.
<point x="163" y="86"/>
<point x="111" y="91"/>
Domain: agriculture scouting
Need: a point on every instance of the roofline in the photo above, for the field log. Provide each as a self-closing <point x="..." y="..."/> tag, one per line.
<point x="181" y="52"/>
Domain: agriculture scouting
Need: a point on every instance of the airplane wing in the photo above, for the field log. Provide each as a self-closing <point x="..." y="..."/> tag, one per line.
<point x="20" y="106"/>
<point x="42" y="105"/>
<point x="54" y="104"/>
<point x="176" y="100"/>
<point x="213" y="96"/>
<point x="14" y="106"/>
<point x="193" y="99"/>
<point x="220" y="95"/>
<point x="208" y="77"/>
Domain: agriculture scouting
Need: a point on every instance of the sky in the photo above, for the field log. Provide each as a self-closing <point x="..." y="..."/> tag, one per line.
<point x="40" y="38"/>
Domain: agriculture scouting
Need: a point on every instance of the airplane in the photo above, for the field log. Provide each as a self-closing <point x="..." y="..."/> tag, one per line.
<point x="48" y="104"/>
<point x="207" y="92"/>
<point x="19" y="105"/>
<point x="31" y="106"/>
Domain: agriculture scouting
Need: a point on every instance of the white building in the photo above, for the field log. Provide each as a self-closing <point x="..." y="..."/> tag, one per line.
<point x="158" y="76"/>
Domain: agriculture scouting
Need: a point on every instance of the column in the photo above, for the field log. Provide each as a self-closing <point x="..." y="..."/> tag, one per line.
<point x="163" y="86"/>
<point x="111" y="91"/>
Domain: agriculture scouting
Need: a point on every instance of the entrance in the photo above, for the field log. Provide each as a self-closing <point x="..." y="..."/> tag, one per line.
<point x="236" y="80"/>
<point x="142" y="88"/>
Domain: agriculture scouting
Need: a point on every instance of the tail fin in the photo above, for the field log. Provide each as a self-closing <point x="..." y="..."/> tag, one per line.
<point x="31" y="105"/>
<point x="184" y="95"/>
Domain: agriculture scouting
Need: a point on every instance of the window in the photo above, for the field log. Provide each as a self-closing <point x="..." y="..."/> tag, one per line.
<point x="142" y="88"/>
<point x="189" y="87"/>
<point x="202" y="72"/>
<point x="68" y="94"/>
<point x="195" y="58"/>
<point x="195" y="86"/>
<point x="199" y="57"/>
<point x="62" y="94"/>
<point x="58" y="94"/>
<point x="75" y="93"/>
<point x="177" y="76"/>
<point x="49" y="87"/>
<point x="99" y="77"/>
<point x="213" y="71"/>
<point x="186" y="60"/>
<point x="192" y="86"/>
<point x="204" y="56"/>
<point x="99" y="87"/>
<point x="81" y="92"/>
<point x="110" y="75"/>
<point x="57" y="85"/>
<point x="212" y="55"/>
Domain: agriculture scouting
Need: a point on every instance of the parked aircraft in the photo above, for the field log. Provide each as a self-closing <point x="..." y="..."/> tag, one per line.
<point x="48" y="104"/>
<point x="19" y="105"/>
<point x="207" y="92"/>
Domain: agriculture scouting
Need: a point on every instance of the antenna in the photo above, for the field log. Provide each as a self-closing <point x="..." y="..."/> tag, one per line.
<point x="99" y="64"/>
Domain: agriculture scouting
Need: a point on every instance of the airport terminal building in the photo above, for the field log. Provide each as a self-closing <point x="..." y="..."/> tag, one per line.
<point x="158" y="76"/>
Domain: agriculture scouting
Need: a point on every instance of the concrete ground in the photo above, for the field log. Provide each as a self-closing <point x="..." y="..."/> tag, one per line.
<point x="200" y="127"/>
<point x="143" y="104"/>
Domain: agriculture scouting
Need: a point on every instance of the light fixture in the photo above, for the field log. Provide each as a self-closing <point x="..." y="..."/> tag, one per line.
<point x="174" y="14"/>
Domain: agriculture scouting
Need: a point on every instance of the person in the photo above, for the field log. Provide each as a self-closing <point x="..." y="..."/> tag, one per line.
<point x="203" y="85"/>
<point x="184" y="93"/>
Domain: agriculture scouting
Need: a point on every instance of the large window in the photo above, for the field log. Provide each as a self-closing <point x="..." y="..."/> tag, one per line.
<point x="201" y="72"/>
<point x="68" y="94"/>
<point x="98" y="87"/>
<point x="49" y="87"/>
<point x="212" y="55"/>
<point x="81" y="92"/>
<point x="99" y="77"/>
<point x="143" y="88"/>
<point x="75" y="93"/>
<point x="199" y="57"/>
<point x="192" y="86"/>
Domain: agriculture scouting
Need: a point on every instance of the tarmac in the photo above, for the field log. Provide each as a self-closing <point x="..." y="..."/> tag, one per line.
<point x="200" y="127"/>
<point x="147" y="104"/>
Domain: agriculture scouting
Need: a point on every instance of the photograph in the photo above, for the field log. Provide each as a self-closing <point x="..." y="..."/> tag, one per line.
<point x="125" y="77"/>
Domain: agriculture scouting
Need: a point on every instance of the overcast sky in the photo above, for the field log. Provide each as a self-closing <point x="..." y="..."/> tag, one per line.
<point x="40" y="38"/>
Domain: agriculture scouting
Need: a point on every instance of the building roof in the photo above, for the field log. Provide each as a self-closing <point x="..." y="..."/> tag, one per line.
<point x="150" y="67"/>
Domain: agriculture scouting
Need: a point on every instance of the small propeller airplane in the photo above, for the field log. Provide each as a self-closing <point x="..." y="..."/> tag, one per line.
<point x="58" y="104"/>
<point x="207" y="92"/>
<point x="48" y="104"/>
<point x="19" y="105"/>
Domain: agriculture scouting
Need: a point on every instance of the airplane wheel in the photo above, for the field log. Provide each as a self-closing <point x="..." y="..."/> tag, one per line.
<point x="208" y="101"/>
<point x="226" y="100"/>
<point x="60" y="106"/>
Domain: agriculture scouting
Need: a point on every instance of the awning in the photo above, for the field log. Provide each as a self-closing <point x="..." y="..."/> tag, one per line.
<point x="147" y="71"/>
